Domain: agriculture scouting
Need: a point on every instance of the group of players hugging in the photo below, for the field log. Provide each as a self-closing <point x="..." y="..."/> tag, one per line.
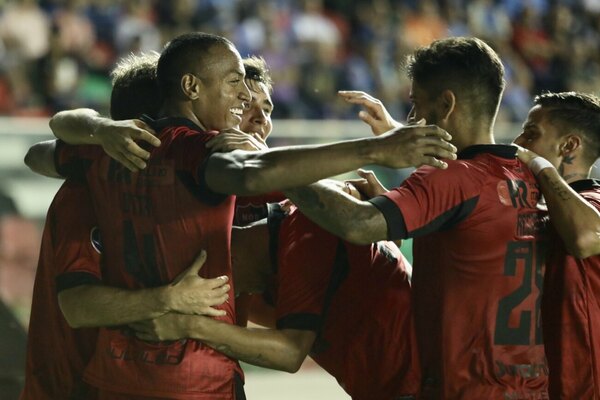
<point x="176" y="225"/>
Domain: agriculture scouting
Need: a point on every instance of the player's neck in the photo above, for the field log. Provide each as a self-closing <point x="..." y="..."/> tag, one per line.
<point x="471" y="133"/>
<point x="465" y="141"/>
<point x="572" y="171"/>
<point x="177" y="109"/>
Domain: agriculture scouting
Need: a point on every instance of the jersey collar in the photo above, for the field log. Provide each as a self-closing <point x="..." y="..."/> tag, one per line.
<point x="499" y="150"/>
<point x="585" y="184"/>
<point x="162" y="123"/>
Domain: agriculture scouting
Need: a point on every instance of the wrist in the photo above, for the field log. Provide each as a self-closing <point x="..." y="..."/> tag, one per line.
<point x="97" y="127"/>
<point x="538" y="164"/>
<point x="165" y="300"/>
<point x="369" y="149"/>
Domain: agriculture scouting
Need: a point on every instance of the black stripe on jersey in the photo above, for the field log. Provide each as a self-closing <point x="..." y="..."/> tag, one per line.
<point x="275" y="216"/>
<point x="70" y="280"/>
<point x="341" y="268"/>
<point x="300" y="321"/>
<point x="448" y="219"/>
<point x="499" y="150"/>
<point x="585" y="184"/>
<point x="397" y="226"/>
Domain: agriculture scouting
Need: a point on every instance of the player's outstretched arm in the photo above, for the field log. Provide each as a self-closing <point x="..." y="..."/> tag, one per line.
<point x="248" y="173"/>
<point x="374" y="114"/>
<point x="576" y="221"/>
<point x="97" y="305"/>
<point x="284" y="350"/>
<point x="117" y="138"/>
<point x="343" y="215"/>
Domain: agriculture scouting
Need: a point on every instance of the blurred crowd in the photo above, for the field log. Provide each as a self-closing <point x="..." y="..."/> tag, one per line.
<point x="56" y="54"/>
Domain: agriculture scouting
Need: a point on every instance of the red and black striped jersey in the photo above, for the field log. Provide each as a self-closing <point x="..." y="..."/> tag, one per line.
<point x="478" y="274"/>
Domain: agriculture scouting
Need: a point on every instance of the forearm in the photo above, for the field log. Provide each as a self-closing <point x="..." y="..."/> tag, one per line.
<point x="269" y="348"/>
<point x="76" y="126"/>
<point x="247" y="173"/>
<point x="576" y="221"/>
<point x="341" y="214"/>
<point x="97" y="305"/>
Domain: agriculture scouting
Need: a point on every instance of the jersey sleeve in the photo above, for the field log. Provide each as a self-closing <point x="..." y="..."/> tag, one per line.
<point x="72" y="162"/>
<point x="305" y="272"/>
<point x="76" y="238"/>
<point x="430" y="200"/>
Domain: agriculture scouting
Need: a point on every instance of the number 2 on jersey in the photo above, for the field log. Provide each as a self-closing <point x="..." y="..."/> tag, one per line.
<point x="530" y="257"/>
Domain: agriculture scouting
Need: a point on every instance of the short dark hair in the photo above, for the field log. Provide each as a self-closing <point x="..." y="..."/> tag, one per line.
<point x="257" y="70"/>
<point x="575" y="111"/>
<point x="467" y="66"/>
<point x="135" y="89"/>
<point x="183" y="55"/>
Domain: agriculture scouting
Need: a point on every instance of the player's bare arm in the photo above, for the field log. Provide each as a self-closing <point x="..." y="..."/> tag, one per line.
<point x="97" y="305"/>
<point x="284" y="349"/>
<point x="117" y="138"/>
<point x="345" y="216"/>
<point x="247" y="173"/>
<point x="576" y="221"/>
<point x="374" y="114"/>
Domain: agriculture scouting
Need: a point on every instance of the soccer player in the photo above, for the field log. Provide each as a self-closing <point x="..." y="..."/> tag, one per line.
<point x="256" y="119"/>
<point x="157" y="220"/>
<point x="564" y="128"/>
<point x="347" y="306"/>
<point x="478" y="234"/>
<point x="70" y="259"/>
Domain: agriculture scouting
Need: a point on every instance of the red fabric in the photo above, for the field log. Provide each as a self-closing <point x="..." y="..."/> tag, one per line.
<point x="477" y="277"/>
<point x="154" y="224"/>
<point x="359" y="306"/>
<point x="57" y="354"/>
<point x="254" y="208"/>
<point x="571" y="319"/>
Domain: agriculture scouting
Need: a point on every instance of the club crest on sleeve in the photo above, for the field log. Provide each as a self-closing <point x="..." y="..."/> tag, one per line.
<point x="96" y="239"/>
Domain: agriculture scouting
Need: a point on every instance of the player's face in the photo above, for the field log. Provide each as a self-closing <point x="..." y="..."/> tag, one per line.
<point x="257" y="118"/>
<point x="423" y="106"/>
<point x="540" y="135"/>
<point x="223" y="92"/>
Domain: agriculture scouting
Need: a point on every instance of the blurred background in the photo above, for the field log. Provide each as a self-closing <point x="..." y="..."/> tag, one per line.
<point x="58" y="54"/>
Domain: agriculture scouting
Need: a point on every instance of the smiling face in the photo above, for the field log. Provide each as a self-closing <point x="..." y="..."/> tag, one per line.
<point x="541" y="136"/>
<point x="222" y="92"/>
<point x="257" y="118"/>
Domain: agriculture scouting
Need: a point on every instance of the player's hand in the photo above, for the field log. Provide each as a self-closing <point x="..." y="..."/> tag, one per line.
<point x="170" y="326"/>
<point x="191" y="294"/>
<point x="374" y="114"/>
<point x="415" y="145"/>
<point x="118" y="139"/>
<point x="368" y="185"/>
<point x="525" y="155"/>
<point x="234" y="139"/>
<point x="349" y="188"/>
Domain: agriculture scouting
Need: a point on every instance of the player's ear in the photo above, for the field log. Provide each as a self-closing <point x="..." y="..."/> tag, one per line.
<point x="190" y="86"/>
<point x="447" y="101"/>
<point x="570" y="144"/>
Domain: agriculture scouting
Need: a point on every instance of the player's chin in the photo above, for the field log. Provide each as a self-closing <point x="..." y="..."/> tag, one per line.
<point x="234" y="119"/>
